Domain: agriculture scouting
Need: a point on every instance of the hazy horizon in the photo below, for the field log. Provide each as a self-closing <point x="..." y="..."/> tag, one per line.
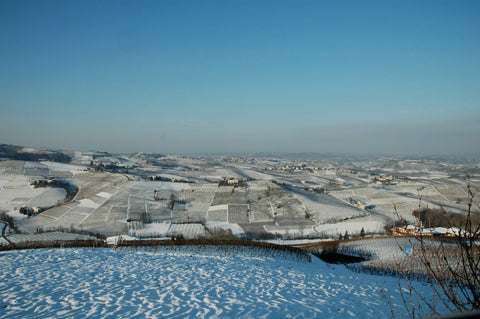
<point x="383" y="77"/>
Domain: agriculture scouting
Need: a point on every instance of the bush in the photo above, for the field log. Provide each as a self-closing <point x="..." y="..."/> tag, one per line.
<point x="4" y="217"/>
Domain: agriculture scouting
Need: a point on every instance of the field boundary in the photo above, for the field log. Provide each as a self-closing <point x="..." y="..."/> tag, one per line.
<point x="297" y="253"/>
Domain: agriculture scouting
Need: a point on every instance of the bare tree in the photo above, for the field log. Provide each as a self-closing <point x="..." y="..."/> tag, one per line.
<point x="452" y="266"/>
<point x="171" y="203"/>
<point x="456" y="268"/>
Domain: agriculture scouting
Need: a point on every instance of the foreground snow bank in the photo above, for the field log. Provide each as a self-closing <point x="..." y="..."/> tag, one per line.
<point x="187" y="282"/>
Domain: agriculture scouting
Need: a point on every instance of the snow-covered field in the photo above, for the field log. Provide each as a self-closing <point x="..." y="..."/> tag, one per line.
<point x="60" y="167"/>
<point x="16" y="191"/>
<point x="353" y="227"/>
<point x="187" y="282"/>
<point x="45" y="237"/>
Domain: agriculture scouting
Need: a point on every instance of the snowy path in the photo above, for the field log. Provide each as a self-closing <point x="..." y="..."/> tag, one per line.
<point x="184" y="283"/>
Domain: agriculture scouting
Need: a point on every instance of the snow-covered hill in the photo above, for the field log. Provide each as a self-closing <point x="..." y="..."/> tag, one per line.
<point x="186" y="282"/>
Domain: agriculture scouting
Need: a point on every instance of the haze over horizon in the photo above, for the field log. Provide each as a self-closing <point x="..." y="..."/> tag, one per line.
<point x="397" y="77"/>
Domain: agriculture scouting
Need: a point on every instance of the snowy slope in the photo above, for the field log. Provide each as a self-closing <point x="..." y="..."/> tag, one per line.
<point x="176" y="282"/>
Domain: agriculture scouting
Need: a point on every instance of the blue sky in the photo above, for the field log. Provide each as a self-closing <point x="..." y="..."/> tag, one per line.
<point x="397" y="77"/>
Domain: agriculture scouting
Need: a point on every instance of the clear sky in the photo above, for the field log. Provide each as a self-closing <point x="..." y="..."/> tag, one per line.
<point x="397" y="77"/>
